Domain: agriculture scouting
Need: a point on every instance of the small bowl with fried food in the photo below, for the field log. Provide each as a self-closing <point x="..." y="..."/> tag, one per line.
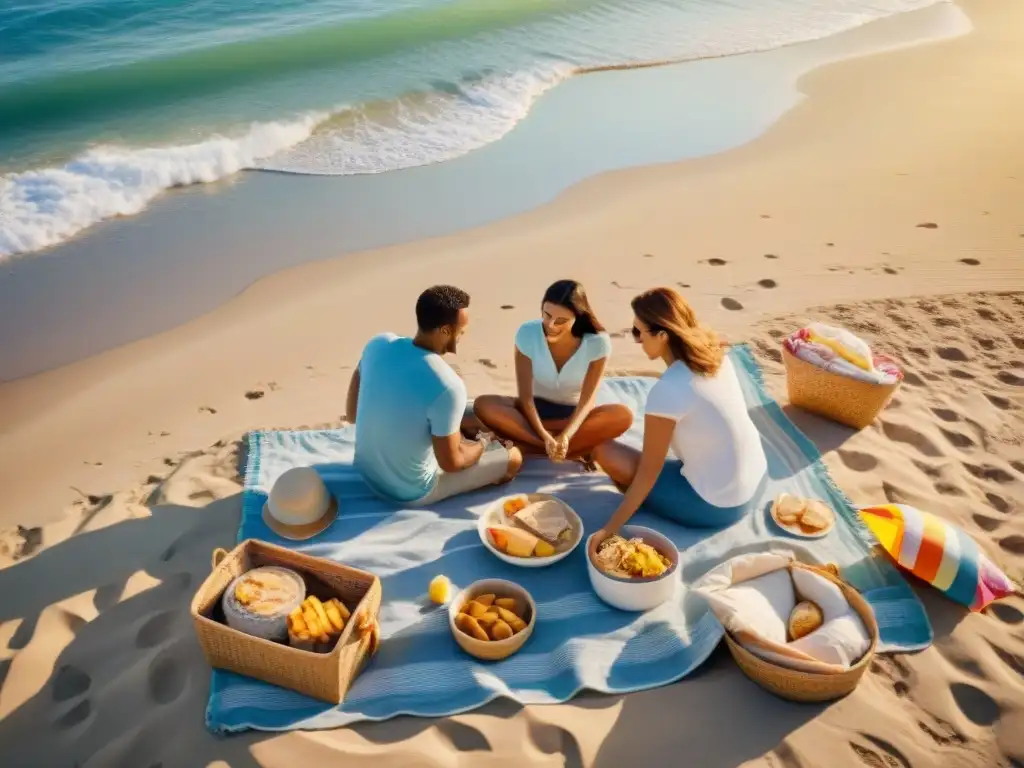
<point x="491" y="619"/>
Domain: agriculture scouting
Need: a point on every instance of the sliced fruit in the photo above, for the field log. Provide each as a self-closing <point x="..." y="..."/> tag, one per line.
<point x="440" y="589"/>
<point x="513" y="541"/>
<point x="543" y="549"/>
<point x="485" y="600"/>
<point x="501" y="631"/>
<point x="508" y="603"/>
<point x="474" y="609"/>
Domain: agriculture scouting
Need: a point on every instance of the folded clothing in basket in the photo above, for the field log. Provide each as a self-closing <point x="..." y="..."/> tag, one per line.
<point x="839" y="351"/>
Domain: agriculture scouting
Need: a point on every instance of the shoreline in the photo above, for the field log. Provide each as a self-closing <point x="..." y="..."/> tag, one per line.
<point x="84" y="297"/>
<point x="728" y="206"/>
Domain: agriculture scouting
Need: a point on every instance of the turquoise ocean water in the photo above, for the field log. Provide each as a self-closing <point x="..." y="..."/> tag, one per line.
<point x="105" y="104"/>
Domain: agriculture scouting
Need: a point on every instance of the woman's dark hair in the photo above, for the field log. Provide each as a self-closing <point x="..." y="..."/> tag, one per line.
<point x="663" y="309"/>
<point x="570" y="294"/>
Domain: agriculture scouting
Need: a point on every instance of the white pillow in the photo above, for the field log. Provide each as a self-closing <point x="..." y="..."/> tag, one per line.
<point x="753" y="596"/>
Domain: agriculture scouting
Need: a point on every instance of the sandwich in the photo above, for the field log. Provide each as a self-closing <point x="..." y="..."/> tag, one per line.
<point x="546" y="520"/>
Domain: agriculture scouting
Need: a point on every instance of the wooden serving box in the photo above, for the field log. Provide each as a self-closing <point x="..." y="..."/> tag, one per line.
<point x="324" y="676"/>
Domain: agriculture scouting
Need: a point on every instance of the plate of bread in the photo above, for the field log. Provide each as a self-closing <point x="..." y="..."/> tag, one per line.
<point x="807" y="518"/>
<point x="530" y="530"/>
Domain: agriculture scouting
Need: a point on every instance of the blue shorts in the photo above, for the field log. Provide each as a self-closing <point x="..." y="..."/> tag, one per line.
<point x="549" y="411"/>
<point x="673" y="498"/>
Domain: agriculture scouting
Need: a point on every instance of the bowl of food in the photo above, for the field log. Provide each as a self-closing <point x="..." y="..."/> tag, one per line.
<point x="634" y="570"/>
<point x="530" y="530"/>
<point x="491" y="619"/>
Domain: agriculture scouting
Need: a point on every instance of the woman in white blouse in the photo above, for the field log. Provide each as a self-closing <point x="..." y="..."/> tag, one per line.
<point x="718" y="471"/>
<point x="560" y="359"/>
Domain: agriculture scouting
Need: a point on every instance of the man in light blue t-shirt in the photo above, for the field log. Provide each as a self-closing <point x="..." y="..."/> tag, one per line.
<point x="408" y="406"/>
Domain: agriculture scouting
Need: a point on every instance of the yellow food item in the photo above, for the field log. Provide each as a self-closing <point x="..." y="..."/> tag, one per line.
<point x="346" y="614"/>
<point x="513" y="541"/>
<point x="312" y="621"/>
<point x="334" y="614"/>
<point x="632" y="558"/>
<point x="488" y="618"/>
<point x="501" y="631"/>
<point x="471" y="627"/>
<point x="817" y="516"/>
<point x="474" y="609"/>
<point x="804" y="619"/>
<point x="789" y="509"/>
<point x="485" y="600"/>
<point x="517" y="624"/>
<point x="318" y="608"/>
<point x="508" y="603"/>
<point x="440" y="589"/>
<point x="513" y="505"/>
<point x="543" y="549"/>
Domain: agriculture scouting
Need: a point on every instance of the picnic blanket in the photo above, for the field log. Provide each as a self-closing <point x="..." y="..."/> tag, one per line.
<point x="579" y="642"/>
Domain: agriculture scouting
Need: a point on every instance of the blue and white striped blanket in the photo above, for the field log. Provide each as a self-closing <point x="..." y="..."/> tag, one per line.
<point x="579" y="642"/>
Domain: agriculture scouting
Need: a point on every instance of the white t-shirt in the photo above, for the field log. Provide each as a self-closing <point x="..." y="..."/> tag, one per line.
<point x="549" y="383"/>
<point x="714" y="436"/>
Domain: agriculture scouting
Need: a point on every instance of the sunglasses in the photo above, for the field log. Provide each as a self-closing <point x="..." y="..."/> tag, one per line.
<point x="637" y="333"/>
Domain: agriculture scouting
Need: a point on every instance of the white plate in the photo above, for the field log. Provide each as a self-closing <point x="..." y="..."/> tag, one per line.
<point x="794" y="529"/>
<point x="495" y="515"/>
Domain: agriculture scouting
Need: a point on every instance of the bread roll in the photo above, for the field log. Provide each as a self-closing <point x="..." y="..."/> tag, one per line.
<point x="805" y="618"/>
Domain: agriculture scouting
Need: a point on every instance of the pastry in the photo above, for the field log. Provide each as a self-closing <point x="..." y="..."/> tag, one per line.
<point x="789" y="509"/>
<point x="804" y="619"/>
<point x="258" y="602"/>
<point x="816" y="517"/>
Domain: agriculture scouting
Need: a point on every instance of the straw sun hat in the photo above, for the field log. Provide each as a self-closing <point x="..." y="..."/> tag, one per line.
<point x="299" y="505"/>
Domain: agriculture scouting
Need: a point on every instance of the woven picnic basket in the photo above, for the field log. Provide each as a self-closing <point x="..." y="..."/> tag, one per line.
<point x="849" y="401"/>
<point x="800" y="685"/>
<point x="324" y="676"/>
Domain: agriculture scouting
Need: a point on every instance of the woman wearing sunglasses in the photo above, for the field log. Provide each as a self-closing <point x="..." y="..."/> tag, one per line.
<point x="697" y="410"/>
<point x="559" y="360"/>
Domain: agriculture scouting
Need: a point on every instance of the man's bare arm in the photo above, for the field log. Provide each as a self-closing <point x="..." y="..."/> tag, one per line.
<point x="352" y="400"/>
<point x="455" y="454"/>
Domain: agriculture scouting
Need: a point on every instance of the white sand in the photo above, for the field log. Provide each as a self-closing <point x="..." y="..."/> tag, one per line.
<point x="120" y="474"/>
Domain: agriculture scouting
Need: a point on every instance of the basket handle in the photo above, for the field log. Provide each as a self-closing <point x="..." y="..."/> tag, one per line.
<point x="218" y="557"/>
<point x="369" y="633"/>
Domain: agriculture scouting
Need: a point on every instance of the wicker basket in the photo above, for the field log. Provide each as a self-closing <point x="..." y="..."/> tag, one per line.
<point x="324" y="676"/>
<point x="798" y="685"/>
<point x="840" y="398"/>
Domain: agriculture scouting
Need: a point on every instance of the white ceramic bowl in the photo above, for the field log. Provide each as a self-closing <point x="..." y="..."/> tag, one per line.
<point x="637" y="594"/>
<point x="495" y="515"/>
<point x="492" y="650"/>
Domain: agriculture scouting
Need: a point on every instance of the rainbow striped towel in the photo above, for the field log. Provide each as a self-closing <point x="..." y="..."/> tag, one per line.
<point x="939" y="553"/>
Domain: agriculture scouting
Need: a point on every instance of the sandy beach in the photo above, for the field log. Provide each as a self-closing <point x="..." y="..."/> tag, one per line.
<point x="889" y="200"/>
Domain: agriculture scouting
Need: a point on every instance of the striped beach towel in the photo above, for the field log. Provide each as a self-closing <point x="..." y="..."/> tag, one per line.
<point x="579" y="642"/>
<point x="938" y="552"/>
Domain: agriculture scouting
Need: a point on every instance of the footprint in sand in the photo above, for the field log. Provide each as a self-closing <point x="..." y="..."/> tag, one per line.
<point x="1007" y="614"/>
<point x="1012" y="660"/>
<point x="1008" y="377"/>
<point x="941" y="732"/>
<point x="887" y="756"/>
<point x="508" y="306"/>
<point x="254" y="394"/>
<point x="69" y="682"/>
<point x="970" y="262"/>
<point x="1001" y="403"/>
<point x="989" y="472"/>
<point x="957" y="373"/>
<point x="857" y="461"/>
<point x="77" y="715"/>
<point x="904" y="434"/>
<point x="770" y="256"/>
<point x="1018" y="342"/>
<point x="986" y="344"/>
<point x="156" y="630"/>
<point x="986" y="523"/>
<point x="952" y="354"/>
<point x="166" y="679"/>
<point x="767" y="283"/>
<point x="987" y="314"/>
<point x="998" y="503"/>
<point x="553" y="739"/>
<point x="957" y="439"/>
<point x="1013" y="544"/>
<point x="928" y="225"/>
<point x="977" y="706"/>
<point x="486" y="362"/>
<point x="717" y="262"/>
<point x="948" y="489"/>
<point x="946" y="414"/>
<point x="912" y="379"/>
<point x="731" y="304"/>
<point x="207" y="409"/>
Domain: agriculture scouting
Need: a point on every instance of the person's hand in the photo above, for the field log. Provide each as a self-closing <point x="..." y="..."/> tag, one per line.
<point x="562" y="445"/>
<point x="595" y="541"/>
<point x="550" y="446"/>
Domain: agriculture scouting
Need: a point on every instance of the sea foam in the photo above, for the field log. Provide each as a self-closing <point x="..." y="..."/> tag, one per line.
<point x="43" y="207"/>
